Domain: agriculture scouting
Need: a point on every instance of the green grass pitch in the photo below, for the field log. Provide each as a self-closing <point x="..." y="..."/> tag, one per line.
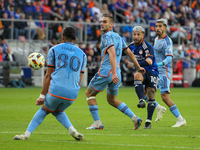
<point x="17" y="107"/>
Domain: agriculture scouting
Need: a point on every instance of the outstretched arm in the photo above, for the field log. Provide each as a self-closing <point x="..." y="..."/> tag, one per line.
<point x="113" y="63"/>
<point x="45" y="87"/>
<point x="134" y="60"/>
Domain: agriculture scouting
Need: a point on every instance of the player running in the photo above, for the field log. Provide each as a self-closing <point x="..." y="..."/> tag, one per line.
<point x="66" y="65"/>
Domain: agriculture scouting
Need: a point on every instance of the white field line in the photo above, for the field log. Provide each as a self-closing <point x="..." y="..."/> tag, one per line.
<point x="145" y="135"/>
<point x="113" y="144"/>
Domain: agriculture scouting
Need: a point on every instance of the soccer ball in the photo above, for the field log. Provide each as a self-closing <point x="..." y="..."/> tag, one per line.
<point x="36" y="61"/>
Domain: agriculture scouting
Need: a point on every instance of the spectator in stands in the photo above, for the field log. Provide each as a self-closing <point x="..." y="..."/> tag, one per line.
<point x="35" y="30"/>
<point x="54" y="26"/>
<point x="18" y="13"/>
<point x="178" y="32"/>
<point x="104" y="9"/>
<point x="38" y="6"/>
<point x="87" y="8"/>
<point x="127" y="37"/>
<point x="198" y="68"/>
<point x="21" y="27"/>
<point x="191" y="52"/>
<point x="42" y="25"/>
<point x="3" y="44"/>
<point x="156" y="7"/>
<point x="1" y="54"/>
<point x="46" y="8"/>
<point x="112" y="7"/>
<point x="95" y="9"/>
<point x="80" y="45"/>
<point x="92" y="68"/>
<point x="89" y="29"/>
<point x="78" y="15"/>
<point x="178" y="53"/>
<point x="88" y="15"/>
<point x="53" y="6"/>
<point x="29" y="9"/>
<point x="87" y="48"/>
<point x="91" y="3"/>
<point x="9" y="55"/>
<point x="163" y="5"/>
<point x="52" y="43"/>
<point x="142" y="5"/>
<point x="128" y="13"/>
<point x="97" y="51"/>
<point x="66" y="16"/>
<point x="198" y="52"/>
<point x="6" y="26"/>
<point x="10" y="11"/>
<point x="2" y="8"/>
<point x="59" y="3"/>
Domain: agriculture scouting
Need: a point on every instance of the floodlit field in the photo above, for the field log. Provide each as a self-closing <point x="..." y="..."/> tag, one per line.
<point x="17" y="107"/>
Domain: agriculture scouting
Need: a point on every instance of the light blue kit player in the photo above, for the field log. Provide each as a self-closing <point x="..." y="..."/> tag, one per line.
<point x="163" y="48"/>
<point x="109" y="74"/>
<point x="66" y="65"/>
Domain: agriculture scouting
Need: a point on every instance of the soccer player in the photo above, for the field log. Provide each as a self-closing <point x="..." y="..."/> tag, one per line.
<point x="66" y="65"/>
<point x="144" y="53"/>
<point x="109" y="74"/>
<point x="163" y="47"/>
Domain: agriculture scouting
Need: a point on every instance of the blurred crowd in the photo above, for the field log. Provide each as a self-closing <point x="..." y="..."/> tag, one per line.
<point x="183" y="19"/>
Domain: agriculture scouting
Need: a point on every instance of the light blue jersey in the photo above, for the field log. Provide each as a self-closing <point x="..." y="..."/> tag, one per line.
<point x="69" y="61"/>
<point x="104" y="76"/>
<point x="108" y="40"/>
<point x="163" y="48"/>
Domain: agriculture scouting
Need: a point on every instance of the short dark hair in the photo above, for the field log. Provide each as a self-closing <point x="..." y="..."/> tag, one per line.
<point x="69" y="33"/>
<point x="110" y="17"/>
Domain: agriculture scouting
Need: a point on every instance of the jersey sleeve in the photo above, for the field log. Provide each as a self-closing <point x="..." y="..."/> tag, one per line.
<point x="124" y="45"/>
<point x="168" y="48"/>
<point x="84" y="63"/>
<point x="108" y="41"/>
<point x="51" y="58"/>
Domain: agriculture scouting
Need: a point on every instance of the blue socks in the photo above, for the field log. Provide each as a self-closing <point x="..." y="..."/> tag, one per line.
<point x="139" y="89"/>
<point x="175" y="111"/>
<point x="94" y="112"/>
<point x="124" y="108"/>
<point x="37" y="120"/>
<point x="150" y="109"/>
<point x="63" y="119"/>
<point x="145" y="98"/>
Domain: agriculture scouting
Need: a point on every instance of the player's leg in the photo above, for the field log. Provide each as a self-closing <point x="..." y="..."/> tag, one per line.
<point x="96" y="85"/>
<point x="93" y="107"/>
<point x="112" y="100"/>
<point x="174" y="110"/>
<point x="112" y="91"/>
<point x="62" y="117"/>
<point x="160" y="109"/>
<point x="35" y="122"/>
<point x="151" y="106"/>
<point x="138" y="79"/>
<point x="165" y="94"/>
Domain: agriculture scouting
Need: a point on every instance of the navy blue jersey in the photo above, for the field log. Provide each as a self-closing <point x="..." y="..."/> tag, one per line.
<point x="144" y="53"/>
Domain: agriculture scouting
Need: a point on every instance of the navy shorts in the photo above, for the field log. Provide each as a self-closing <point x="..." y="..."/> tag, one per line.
<point x="150" y="80"/>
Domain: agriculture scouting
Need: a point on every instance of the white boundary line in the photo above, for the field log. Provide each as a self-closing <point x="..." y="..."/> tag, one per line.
<point x="113" y="144"/>
<point x="144" y="135"/>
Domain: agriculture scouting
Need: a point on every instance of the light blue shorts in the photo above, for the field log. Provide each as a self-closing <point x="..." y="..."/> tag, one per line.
<point x="164" y="84"/>
<point x="98" y="84"/>
<point x="54" y="103"/>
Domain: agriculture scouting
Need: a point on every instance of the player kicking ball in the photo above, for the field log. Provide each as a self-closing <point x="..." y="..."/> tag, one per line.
<point x="66" y="65"/>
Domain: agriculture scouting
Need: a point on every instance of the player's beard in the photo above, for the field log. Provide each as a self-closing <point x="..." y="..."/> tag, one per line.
<point x="138" y="43"/>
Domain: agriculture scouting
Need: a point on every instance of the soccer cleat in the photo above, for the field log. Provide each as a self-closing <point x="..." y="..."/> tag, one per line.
<point x="180" y="123"/>
<point x="20" y="137"/>
<point x="93" y="127"/>
<point x="160" y="111"/>
<point x="141" y="104"/>
<point x="137" y="123"/>
<point x="77" y="136"/>
<point x="147" y="125"/>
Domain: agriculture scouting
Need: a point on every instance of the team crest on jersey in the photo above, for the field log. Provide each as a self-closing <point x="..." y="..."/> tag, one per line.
<point x="160" y="45"/>
<point x="140" y="51"/>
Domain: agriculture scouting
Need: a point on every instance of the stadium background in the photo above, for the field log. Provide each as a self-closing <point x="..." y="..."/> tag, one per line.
<point x="50" y="16"/>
